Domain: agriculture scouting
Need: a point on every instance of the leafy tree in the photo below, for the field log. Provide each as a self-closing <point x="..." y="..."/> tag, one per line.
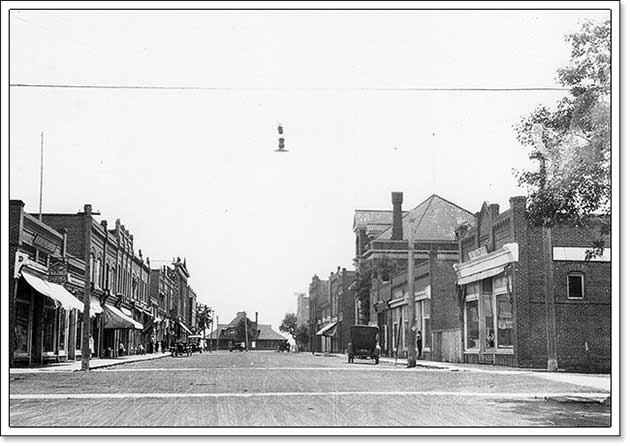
<point x="380" y="267"/>
<point x="302" y="336"/>
<point x="204" y="317"/>
<point x="239" y="330"/>
<point x="289" y="324"/>
<point x="575" y="141"/>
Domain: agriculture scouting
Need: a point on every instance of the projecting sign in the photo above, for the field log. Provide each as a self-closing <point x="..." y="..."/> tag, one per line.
<point x="481" y="251"/>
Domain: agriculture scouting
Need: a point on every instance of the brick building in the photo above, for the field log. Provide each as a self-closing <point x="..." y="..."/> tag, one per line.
<point x="45" y="287"/>
<point x="435" y="253"/>
<point x="119" y="280"/>
<point x="342" y="310"/>
<point x="318" y="297"/>
<point x="502" y="295"/>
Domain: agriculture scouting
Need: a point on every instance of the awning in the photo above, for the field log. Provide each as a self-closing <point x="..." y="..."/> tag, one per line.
<point x="55" y="291"/>
<point x="186" y="329"/>
<point x="487" y="265"/>
<point x="328" y="330"/>
<point x="126" y="311"/>
<point x="114" y="318"/>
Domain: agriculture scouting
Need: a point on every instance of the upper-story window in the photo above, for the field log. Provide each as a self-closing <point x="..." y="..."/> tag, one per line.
<point x="575" y="286"/>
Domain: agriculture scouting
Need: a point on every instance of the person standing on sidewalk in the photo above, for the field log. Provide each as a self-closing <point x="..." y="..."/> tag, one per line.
<point x="91" y="346"/>
<point x="419" y="343"/>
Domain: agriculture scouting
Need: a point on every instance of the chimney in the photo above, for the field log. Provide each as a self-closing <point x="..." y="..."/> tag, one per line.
<point x="494" y="210"/>
<point x="397" y="228"/>
<point x="257" y="319"/>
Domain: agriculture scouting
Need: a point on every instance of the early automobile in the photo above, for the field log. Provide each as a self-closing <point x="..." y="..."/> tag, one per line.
<point x="363" y="343"/>
<point x="195" y="343"/>
<point x="240" y="346"/>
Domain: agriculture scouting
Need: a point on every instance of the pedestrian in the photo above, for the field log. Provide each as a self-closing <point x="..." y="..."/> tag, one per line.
<point x="140" y="350"/>
<point x="121" y="349"/>
<point x="419" y="343"/>
<point x="91" y="343"/>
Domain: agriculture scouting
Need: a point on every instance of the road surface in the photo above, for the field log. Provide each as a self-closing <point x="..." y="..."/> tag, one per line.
<point x="287" y="389"/>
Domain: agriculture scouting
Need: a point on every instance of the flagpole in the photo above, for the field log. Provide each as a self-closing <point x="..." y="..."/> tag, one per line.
<point x="41" y="175"/>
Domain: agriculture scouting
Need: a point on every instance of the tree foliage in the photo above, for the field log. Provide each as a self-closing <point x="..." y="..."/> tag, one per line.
<point x="379" y="267"/>
<point x="301" y="336"/>
<point x="289" y="324"/>
<point x="239" y="330"/>
<point x="203" y="317"/>
<point x="575" y="143"/>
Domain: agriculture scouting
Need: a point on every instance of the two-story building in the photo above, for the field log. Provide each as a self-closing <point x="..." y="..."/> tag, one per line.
<point x="501" y="279"/>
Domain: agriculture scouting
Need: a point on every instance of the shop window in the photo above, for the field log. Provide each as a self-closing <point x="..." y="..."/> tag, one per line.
<point x="486" y="286"/>
<point x="426" y="324"/>
<point x="488" y="316"/>
<point x="62" y="329"/>
<point x="575" y="286"/>
<point x="22" y="310"/>
<point x="505" y="321"/>
<point x="49" y="329"/>
<point x="472" y="324"/>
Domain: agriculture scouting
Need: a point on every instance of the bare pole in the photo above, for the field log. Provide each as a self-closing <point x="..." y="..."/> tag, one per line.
<point x="246" y="337"/>
<point x="411" y="294"/>
<point x="41" y="175"/>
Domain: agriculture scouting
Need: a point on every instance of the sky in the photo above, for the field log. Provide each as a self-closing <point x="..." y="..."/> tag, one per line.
<point x="193" y="173"/>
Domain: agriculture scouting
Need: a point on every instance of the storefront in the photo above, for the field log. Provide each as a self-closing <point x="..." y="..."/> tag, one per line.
<point x="45" y="316"/>
<point x="486" y="284"/>
<point x="121" y="333"/>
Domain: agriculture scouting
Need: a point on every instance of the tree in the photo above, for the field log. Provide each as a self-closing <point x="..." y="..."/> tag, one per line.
<point x="239" y="330"/>
<point x="204" y="317"/>
<point x="576" y="182"/>
<point x="301" y="336"/>
<point x="289" y="324"/>
<point x="380" y="267"/>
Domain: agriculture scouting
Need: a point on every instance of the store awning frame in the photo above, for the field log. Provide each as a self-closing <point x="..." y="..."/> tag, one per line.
<point x="327" y="330"/>
<point x="114" y="318"/>
<point x="487" y="265"/>
<point x="54" y="291"/>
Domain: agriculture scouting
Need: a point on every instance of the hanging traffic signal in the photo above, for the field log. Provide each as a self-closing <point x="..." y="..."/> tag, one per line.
<point x="281" y="144"/>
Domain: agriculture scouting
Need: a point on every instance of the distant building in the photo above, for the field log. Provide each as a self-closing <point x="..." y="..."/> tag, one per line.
<point x="265" y="337"/>
<point x="342" y="304"/>
<point x="302" y="309"/>
<point x="318" y="295"/>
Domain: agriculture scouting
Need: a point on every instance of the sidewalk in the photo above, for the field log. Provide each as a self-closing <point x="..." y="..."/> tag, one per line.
<point x="74" y="366"/>
<point x="597" y="381"/>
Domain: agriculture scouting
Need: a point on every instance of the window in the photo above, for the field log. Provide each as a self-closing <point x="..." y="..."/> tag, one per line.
<point x="575" y="286"/>
<point x="505" y="321"/>
<point x="488" y="316"/>
<point x="22" y="315"/>
<point x="426" y="324"/>
<point x="79" y="336"/>
<point x="471" y="321"/>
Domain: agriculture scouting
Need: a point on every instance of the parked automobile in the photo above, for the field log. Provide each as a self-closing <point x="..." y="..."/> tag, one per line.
<point x="363" y="343"/>
<point x="240" y="346"/>
<point x="284" y="346"/>
<point x="195" y="343"/>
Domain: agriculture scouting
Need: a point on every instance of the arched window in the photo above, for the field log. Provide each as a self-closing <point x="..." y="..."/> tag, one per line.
<point x="92" y="268"/>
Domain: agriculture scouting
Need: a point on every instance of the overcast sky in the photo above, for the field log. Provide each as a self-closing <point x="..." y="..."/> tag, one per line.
<point x="194" y="173"/>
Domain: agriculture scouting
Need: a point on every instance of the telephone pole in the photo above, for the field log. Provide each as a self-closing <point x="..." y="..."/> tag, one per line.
<point x="246" y="337"/>
<point x="86" y="352"/>
<point x="411" y="295"/>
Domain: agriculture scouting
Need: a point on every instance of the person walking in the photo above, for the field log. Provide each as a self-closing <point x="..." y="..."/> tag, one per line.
<point x="419" y="343"/>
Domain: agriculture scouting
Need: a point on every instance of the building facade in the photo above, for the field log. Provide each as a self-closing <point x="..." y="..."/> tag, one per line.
<point x="342" y="306"/>
<point x="435" y="253"/>
<point x="302" y="314"/>
<point x="318" y="295"/>
<point x="500" y="275"/>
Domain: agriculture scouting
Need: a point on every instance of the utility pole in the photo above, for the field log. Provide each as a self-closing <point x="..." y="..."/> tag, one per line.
<point x="86" y="353"/>
<point x="547" y="254"/>
<point x="41" y="175"/>
<point x="246" y="337"/>
<point x="218" y="333"/>
<point x="411" y="297"/>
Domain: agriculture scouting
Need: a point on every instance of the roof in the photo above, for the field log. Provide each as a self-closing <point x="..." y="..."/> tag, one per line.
<point x="436" y="219"/>
<point x="266" y="333"/>
<point x="269" y="334"/>
<point x="375" y="221"/>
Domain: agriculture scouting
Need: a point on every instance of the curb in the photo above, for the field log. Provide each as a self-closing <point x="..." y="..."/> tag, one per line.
<point x="102" y="366"/>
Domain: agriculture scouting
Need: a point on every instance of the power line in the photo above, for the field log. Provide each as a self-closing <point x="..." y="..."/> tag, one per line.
<point x="197" y="88"/>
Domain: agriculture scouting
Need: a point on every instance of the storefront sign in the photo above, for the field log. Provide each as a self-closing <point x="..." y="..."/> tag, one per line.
<point x="482" y="251"/>
<point x="58" y="272"/>
<point x="44" y="244"/>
